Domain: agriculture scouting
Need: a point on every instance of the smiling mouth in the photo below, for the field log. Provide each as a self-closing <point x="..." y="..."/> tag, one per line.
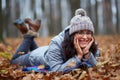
<point x="83" y="42"/>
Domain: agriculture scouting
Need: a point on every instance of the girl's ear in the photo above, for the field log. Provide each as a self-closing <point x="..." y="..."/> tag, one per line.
<point x="66" y="33"/>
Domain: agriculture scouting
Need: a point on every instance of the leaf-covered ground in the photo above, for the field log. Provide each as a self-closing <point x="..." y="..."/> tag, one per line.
<point x="108" y="67"/>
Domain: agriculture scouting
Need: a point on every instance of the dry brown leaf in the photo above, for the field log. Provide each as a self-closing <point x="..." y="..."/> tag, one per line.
<point x="21" y="53"/>
<point x="115" y="65"/>
<point x="39" y="75"/>
<point x="83" y="74"/>
<point x="66" y="77"/>
<point x="47" y="77"/>
<point x="41" y="66"/>
<point x="99" y="64"/>
<point x="2" y="47"/>
<point x="72" y="63"/>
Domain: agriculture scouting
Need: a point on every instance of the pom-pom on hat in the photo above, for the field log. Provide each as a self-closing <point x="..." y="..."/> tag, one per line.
<point x="80" y="22"/>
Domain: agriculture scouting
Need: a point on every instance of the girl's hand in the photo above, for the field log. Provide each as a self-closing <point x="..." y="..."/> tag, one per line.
<point x="78" y="48"/>
<point x="86" y="49"/>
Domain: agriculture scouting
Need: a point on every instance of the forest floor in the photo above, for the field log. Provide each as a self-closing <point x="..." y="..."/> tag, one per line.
<point x="108" y="67"/>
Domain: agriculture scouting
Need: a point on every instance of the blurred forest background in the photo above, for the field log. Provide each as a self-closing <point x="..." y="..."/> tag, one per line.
<point x="56" y="15"/>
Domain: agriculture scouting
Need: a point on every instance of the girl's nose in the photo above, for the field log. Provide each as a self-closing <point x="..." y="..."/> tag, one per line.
<point x="84" y="36"/>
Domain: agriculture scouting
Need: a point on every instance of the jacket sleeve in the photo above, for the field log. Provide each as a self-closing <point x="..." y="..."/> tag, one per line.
<point x="55" y="58"/>
<point x="91" y="61"/>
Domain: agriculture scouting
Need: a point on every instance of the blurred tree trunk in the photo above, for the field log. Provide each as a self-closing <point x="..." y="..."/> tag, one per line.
<point x="55" y="17"/>
<point x="100" y="17"/>
<point x="7" y="18"/>
<point x="96" y="18"/>
<point x="93" y="14"/>
<point x="88" y="10"/>
<point x="57" y="23"/>
<point x="1" y="25"/>
<point x="75" y="4"/>
<point x="107" y="15"/>
<point x="118" y="15"/>
<point x="51" y="19"/>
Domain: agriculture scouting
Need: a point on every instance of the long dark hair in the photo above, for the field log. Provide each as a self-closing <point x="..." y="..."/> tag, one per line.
<point x="68" y="46"/>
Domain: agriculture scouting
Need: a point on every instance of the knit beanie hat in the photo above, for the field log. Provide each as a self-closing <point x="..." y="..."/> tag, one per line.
<point x="80" y="22"/>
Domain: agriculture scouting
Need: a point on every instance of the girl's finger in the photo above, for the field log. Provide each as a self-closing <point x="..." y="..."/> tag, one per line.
<point x="75" y="42"/>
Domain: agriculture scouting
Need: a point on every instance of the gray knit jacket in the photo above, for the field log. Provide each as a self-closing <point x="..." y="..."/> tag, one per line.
<point x="54" y="57"/>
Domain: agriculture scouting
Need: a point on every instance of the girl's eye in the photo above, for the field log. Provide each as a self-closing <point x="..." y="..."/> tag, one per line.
<point x="80" y="32"/>
<point x="86" y="32"/>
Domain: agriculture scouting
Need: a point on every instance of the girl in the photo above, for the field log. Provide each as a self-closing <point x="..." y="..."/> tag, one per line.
<point x="75" y="44"/>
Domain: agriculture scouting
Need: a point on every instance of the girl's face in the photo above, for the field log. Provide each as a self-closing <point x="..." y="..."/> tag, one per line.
<point x="84" y="37"/>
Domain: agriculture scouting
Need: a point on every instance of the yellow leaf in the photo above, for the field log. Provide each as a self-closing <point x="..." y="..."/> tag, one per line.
<point x="21" y="52"/>
<point x="82" y="75"/>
